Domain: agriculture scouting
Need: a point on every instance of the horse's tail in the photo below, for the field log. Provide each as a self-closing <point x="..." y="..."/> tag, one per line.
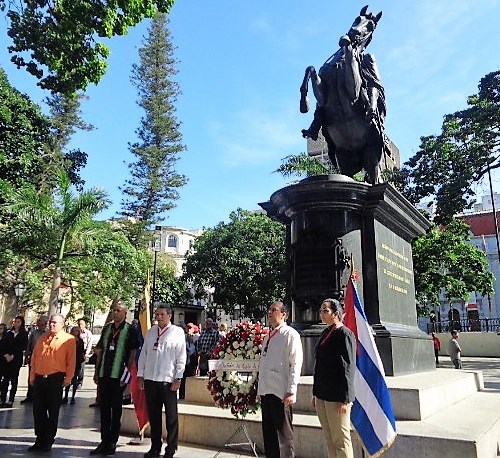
<point x="304" y="103"/>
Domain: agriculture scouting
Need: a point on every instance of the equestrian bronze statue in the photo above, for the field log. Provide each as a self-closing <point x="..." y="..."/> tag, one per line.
<point x="350" y="108"/>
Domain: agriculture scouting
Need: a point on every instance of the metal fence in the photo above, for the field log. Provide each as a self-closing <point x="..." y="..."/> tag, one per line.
<point x="466" y="325"/>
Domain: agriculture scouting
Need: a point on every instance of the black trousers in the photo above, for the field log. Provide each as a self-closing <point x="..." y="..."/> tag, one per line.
<point x="277" y="428"/>
<point x="158" y="394"/>
<point x="47" y="394"/>
<point x="11" y="376"/>
<point x="110" y="396"/>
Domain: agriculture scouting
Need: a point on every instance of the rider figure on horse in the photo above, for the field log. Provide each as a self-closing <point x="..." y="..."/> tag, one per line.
<point x="362" y="86"/>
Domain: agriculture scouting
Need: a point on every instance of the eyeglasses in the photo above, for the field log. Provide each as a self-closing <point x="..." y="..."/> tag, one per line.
<point x="55" y="322"/>
<point x="274" y="310"/>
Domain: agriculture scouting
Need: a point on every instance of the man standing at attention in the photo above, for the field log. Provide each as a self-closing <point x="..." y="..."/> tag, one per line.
<point x="279" y="373"/>
<point x="52" y="368"/>
<point x="206" y="343"/>
<point x="41" y="328"/>
<point x="159" y="373"/>
<point x="86" y="336"/>
<point x="454" y="350"/>
<point x="115" y="351"/>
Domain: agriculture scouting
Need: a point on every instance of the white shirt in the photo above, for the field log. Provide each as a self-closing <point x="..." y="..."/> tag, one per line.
<point x="164" y="362"/>
<point x="280" y="365"/>
<point x="86" y="336"/>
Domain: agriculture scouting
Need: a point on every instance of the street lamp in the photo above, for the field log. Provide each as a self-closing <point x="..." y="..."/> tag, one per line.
<point x="19" y="289"/>
<point x="156" y="248"/>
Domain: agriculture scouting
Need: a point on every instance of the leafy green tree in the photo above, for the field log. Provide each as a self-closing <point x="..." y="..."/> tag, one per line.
<point x="449" y="165"/>
<point x="57" y="43"/>
<point x="152" y="188"/>
<point x="54" y="220"/>
<point x="108" y="267"/>
<point x="444" y="261"/>
<point x="24" y="136"/>
<point x="302" y="164"/>
<point x="32" y="145"/>
<point x="65" y="120"/>
<point x="170" y="288"/>
<point x="242" y="260"/>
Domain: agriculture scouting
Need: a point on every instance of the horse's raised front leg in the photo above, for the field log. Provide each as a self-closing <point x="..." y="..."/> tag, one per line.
<point x="310" y="74"/>
<point x="317" y="122"/>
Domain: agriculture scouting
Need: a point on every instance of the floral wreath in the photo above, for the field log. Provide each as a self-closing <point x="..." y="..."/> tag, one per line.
<point x="239" y="350"/>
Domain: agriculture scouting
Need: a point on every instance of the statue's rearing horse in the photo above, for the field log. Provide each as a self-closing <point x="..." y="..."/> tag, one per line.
<point x="350" y="107"/>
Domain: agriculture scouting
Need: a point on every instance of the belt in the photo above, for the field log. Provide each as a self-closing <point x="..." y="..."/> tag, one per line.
<point x="55" y="374"/>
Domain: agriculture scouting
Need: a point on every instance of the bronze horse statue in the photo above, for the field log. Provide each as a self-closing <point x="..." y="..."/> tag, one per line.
<point x="350" y="107"/>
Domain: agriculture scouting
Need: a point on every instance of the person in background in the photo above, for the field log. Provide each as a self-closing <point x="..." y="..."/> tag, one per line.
<point x="79" y="360"/>
<point x="205" y="345"/>
<point x="86" y="336"/>
<point x="333" y="381"/>
<point x="437" y="346"/>
<point x="41" y="328"/>
<point x="279" y="373"/>
<point x="454" y="350"/>
<point x="159" y="374"/>
<point x="52" y="368"/>
<point x="3" y="350"/>
<point x="17" y="341"/>
<point x="191" y="356"/>
<point x="222" y="330"/>
<point x="115" y="353"/>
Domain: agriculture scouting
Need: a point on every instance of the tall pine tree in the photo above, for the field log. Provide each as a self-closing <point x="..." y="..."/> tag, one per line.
<point x="153" y="186"/>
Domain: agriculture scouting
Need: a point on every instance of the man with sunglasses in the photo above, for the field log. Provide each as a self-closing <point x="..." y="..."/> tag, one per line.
<point x="279" y="374"/>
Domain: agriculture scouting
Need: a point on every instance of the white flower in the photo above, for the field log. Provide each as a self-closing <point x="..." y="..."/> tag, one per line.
<point x="236" y="344"/>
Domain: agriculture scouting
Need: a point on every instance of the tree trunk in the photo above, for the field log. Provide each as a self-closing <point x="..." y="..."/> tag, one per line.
<point x="54" y="292"/>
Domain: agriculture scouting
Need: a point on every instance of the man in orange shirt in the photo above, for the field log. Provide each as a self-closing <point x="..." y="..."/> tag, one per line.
<point x="52" y="368"/>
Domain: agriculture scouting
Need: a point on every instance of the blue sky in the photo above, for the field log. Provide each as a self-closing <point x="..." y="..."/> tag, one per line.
<point x="240" y="67"/>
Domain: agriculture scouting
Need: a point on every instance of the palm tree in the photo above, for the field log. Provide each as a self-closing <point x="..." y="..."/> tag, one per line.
<point x="62" y="215"/>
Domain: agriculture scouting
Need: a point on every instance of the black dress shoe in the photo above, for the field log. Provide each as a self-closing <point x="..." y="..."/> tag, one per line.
<point x="109" y="450"/>
<point x="24" y="401"/>
<point x="152" y="453"/>
<point x="98" y="450"/>
<point x="37" y="447"/>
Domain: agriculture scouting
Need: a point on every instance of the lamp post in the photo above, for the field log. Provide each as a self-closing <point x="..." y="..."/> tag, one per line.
<point x="156" y="249"/>
<point x="19" y="289"/>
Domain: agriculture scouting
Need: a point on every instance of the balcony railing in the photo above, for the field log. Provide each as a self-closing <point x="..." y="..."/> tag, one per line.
<point x="465" y="325"/>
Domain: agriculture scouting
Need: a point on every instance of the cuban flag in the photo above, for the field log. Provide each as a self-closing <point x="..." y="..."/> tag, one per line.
<point x="371" y="413"/>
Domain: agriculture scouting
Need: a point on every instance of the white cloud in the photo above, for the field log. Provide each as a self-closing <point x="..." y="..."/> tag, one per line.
<point x="254" y="136"/>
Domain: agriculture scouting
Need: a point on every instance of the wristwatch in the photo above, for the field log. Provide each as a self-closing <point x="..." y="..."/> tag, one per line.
<point x="178" y="380"/>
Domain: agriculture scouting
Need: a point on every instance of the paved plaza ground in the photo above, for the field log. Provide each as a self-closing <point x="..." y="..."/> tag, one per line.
<point x="78" y="424"/>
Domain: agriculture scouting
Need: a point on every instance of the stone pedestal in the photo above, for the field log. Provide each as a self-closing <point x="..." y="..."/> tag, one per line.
<point x="332" y="219"/>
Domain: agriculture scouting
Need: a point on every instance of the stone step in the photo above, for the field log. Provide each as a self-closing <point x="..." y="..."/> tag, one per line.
<point x="470" y="428"/>
<point x="414" y="397"/>
<point x="452" y="419"/>
<point x="421" y="395"/>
